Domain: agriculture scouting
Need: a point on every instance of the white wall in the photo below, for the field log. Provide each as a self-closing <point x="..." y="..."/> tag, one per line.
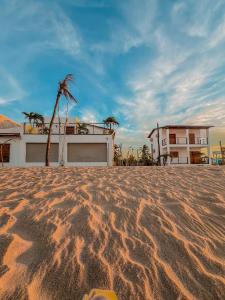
<point x="18" y="148"/>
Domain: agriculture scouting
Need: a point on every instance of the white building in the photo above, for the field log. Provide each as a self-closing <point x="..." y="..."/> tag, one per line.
<point x="185" y="144"/>
<point x="72" y="144"/>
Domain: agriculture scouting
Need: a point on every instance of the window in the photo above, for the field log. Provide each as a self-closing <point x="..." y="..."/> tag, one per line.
<point x="69" y="129"/>
<point x="4" y="153"/>
<point x="174" y="154"/>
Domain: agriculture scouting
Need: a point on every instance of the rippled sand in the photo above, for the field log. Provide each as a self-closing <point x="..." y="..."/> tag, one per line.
<point x="146" y="232"/>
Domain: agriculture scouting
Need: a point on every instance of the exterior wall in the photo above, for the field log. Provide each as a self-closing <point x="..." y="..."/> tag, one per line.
<point x="18" y="149"/>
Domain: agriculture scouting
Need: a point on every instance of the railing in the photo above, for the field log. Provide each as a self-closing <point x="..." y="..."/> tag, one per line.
<point x="179" y="160"/>
<point x="198" y="141"/>
<point x="184" y="141"/>
<point x="200" y="160"/>
<point x="68" y="129"/>
<point x="178" y="140"/>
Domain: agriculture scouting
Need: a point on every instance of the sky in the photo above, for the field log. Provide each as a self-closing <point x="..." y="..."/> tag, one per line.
<point x="142" y="61"/>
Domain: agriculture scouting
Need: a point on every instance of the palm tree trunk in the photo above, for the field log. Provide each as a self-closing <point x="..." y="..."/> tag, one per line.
<point x="50" y="130"/>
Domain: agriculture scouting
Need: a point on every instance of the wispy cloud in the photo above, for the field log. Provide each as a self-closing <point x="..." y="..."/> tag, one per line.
<point x="183" y="83"/>
<point x="10" y="88"/>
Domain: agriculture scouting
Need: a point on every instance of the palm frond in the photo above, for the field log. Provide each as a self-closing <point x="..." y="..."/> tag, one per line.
<point x="69" y="96"/>
<point x="25" y="114"/>
<point x="69" y="77"/>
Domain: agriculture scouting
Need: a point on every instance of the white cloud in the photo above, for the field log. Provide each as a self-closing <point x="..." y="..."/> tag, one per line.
<point x="183" y="83"/>
<point x="90" y="116"/>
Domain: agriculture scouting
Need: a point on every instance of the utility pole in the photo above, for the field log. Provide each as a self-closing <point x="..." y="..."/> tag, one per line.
<point x="159" y="159"/>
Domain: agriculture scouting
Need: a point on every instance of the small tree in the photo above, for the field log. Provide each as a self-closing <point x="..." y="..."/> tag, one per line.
<point x="117" y="154"/>
<point x="145" y="155"/>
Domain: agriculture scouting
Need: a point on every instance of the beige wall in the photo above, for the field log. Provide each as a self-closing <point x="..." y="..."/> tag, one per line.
<point x="35" y="152"/>
<point x="87" y="152"/>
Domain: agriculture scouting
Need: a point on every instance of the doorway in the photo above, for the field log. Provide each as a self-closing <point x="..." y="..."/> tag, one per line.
<point x="172" y="138"/>
<point x="195" y="157"/>
<point x="191" y="138"/>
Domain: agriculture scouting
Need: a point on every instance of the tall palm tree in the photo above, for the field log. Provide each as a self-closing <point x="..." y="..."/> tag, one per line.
<point x="63" y="89"/>
<point x="111" y="121"/>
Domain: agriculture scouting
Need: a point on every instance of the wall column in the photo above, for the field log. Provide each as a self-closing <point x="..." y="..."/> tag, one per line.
<point x="168" y="145"/>
<point x="188" y="146"/>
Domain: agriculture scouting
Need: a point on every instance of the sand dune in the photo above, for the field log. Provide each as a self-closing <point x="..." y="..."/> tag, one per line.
<point x="145" y="232"/>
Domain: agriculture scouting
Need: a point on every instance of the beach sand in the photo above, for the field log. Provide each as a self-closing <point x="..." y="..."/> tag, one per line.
<point x="145" y="232"/>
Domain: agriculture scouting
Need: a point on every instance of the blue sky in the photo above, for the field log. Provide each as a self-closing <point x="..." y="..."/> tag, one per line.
<point x="142" y="61"/>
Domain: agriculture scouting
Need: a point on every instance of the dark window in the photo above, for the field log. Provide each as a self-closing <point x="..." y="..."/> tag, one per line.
<point x="5" y="153"/>
<point x="172" y="138"/>
<point x="174" y="154"/>
<point x="69" y="129"/>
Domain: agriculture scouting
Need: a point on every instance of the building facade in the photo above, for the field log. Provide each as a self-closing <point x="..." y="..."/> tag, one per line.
<point x="72" y="144"/>
<point x="181" y="144"/>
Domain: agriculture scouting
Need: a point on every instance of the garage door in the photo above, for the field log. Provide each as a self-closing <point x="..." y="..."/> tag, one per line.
<point x="35" y="152"/>
<point x="87" y="152"/>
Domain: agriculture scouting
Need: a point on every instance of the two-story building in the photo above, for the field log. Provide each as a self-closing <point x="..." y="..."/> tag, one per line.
<point x="72" y="144"/>
<point x="182" y="144"/>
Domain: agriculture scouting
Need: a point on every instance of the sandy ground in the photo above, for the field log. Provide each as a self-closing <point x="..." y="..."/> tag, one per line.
<point x="146" y="232"/>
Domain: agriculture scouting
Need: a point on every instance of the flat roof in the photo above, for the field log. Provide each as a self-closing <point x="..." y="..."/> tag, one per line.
<point x="180" y="127"/>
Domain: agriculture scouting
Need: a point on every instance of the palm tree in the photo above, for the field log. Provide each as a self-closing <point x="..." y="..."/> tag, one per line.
<point x="111" y="121"/>
<point x="38" y="120"/>
<point x="63" y="89"/>
<point x="30" y="116"/>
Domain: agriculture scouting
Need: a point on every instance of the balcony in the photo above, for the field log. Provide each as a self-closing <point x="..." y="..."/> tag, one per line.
<point x="185" y="141"/>
<point x="68" y="129"/>
<point x="198" y="141"/>
<point x="178" y="140"/>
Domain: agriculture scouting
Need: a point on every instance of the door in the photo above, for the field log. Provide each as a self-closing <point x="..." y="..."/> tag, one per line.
<point x="172" y="138"/>
<point x="191" y="138"/>
<point x="87" y="152"/>
<point x="174" y="157"/>
<point x="35" y="152"/>
<point x="195" y="157"/>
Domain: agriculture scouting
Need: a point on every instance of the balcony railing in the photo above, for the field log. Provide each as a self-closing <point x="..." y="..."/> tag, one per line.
<point x="179" y="160"/>
<point x="185" y="141"/>
<point x="68" y="129"/>
<point x="200" y="160"/>
<point x="198" y="141"/>
<point x="194" y="160"/>
<point x="178" y="140"/>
